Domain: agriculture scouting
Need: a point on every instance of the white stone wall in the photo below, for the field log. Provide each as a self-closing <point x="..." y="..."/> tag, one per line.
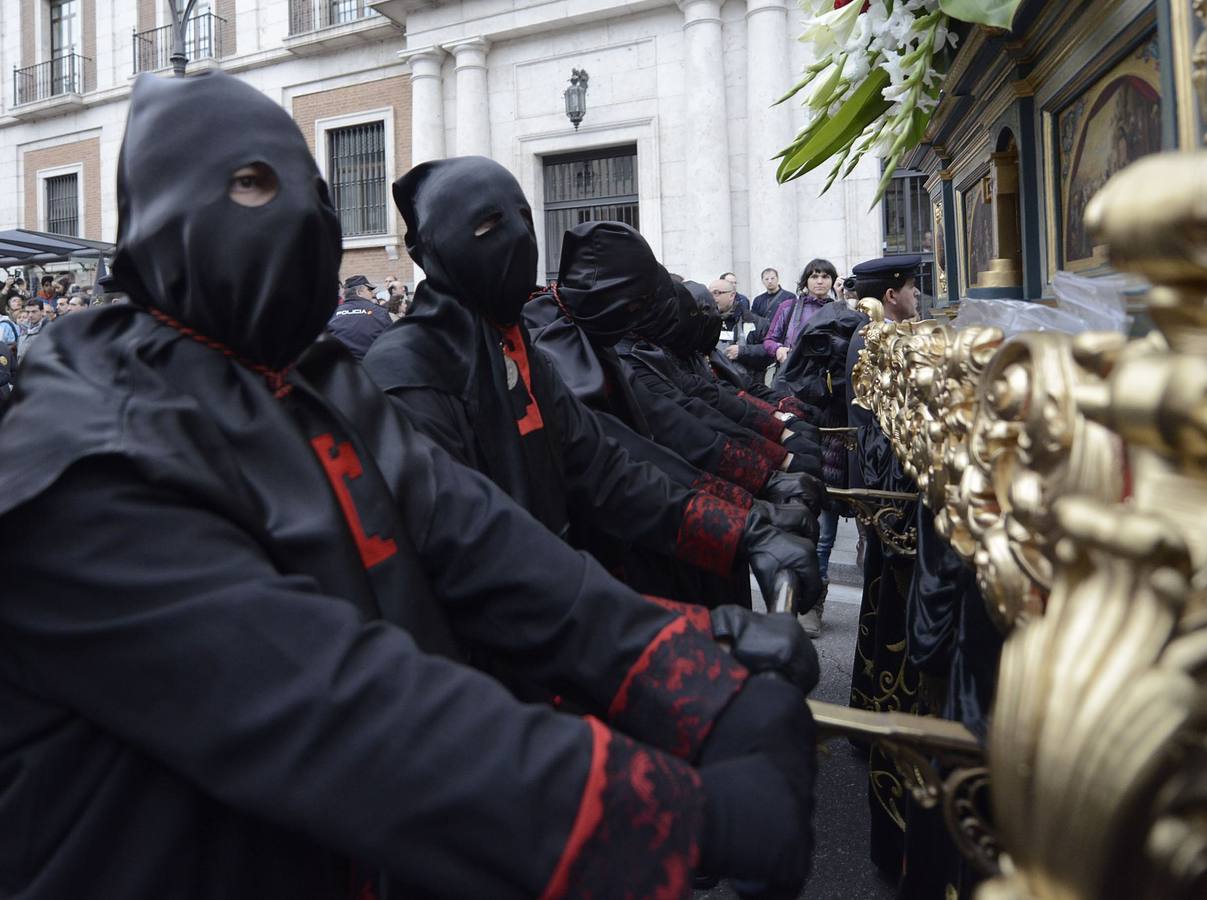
<point x="703" y="159"/>
<point x="700" y="215"/>
<point x="263" y="59"/>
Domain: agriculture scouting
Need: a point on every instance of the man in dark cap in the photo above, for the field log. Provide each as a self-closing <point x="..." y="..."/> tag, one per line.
<point x="463" y="368"/>
<point x="359" y="319"/>
<point x="240" y="680"/>
<point x="880" y="651"/>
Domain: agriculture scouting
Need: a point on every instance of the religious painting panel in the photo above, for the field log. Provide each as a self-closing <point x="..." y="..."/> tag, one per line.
<point x="1110" y="125"/>
<point x="976" y="203"/>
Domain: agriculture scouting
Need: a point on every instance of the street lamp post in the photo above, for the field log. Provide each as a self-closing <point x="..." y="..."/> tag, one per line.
<point x="180" y="21"/>
<point x="576" y="97"/>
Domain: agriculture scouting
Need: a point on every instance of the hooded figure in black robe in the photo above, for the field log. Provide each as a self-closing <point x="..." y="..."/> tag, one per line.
<point x="238" y="678"/>
<point x="649" y="351"/>
<point x="678" y="356"/>
<point x="462" y="367"/>
<point x="609" y="285"/>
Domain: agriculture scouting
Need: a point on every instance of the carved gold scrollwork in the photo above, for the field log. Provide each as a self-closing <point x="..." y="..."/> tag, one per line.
<point x="1098" y="748"/>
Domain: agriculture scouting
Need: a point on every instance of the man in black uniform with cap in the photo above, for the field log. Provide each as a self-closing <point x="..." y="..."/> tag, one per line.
<point x="240" y="680"/>
<point x="358" y="320"/>
<point x="882" y="678"/>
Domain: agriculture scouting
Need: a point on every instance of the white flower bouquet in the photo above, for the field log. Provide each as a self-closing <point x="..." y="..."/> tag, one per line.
<point x="877" y="78"/>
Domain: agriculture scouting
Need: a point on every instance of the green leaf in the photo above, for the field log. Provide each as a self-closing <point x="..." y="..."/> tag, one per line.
<point x="994" y="13"/>
<point x="862" y="109"/>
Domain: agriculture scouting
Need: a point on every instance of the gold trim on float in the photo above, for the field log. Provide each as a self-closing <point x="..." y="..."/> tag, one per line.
<point x="1181" y="24"/>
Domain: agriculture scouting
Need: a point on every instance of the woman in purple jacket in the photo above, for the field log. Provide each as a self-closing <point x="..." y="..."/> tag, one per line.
<point x="812" y="293"/>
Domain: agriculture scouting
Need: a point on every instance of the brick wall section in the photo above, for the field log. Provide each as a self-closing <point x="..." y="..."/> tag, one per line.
<point x="381" y="94"/>
<point x="29" y="32"/>
<point x="87" y="152"/>
<point x="225" y="9"/>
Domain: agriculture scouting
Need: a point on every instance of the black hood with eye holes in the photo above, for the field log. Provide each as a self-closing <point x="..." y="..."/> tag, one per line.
<point x="469" y="226"/>
<point x="261" y="280"/>
<point x="609" y="280"/>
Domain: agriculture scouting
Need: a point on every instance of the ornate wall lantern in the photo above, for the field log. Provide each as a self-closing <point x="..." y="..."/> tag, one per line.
<point x="576" y="97"/>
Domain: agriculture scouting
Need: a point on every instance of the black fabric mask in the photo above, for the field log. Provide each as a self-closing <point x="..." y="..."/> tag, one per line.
<point x="709" y="323"/>
<point x="261" y="280"/>
<point x="608" y="279"/>
<point x="444" y="202"/>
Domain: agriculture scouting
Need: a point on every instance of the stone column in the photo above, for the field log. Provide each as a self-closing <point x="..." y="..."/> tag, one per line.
<point x="427" y="103"/>
<point x="473" y="107"/>
<point x="709" y="204"/>
<point x="769" y="72"/>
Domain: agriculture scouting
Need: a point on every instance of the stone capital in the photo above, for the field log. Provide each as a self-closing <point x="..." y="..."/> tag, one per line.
<point x="424" y="62"/>
<point x="766" y="6"/>
<point x="470" y="52"/>
<point x="697" y="11"/>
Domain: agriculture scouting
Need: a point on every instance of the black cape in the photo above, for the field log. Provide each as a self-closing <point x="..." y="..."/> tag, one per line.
<point x="195" y="699"/>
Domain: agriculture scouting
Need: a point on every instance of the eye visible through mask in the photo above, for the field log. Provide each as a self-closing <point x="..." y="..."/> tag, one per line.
<point x="487" y="225"/>
<point x="253" y="185"/>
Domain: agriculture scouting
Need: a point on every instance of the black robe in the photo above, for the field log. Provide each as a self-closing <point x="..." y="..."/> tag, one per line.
<point x="193" y="644"/>
<point x="236" y="583"/>
<point x="882" y="678"/>
<point x="600" y="498"/>
<point x="598" y="377"/>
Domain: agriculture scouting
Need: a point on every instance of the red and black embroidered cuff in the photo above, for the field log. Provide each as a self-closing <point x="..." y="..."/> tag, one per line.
<point x="776" y="453"/>
<point x="726" y="490"/>
<point x="763" y="423"/>
<point x="744" y="466"/>
<point x="698" y="617"/>
<point x="758" y="402"/>
<point x="677" y="688"/>
<point x="709" y="533"/>
<point x="640" y="816"/>
<point x="794" y="406"/>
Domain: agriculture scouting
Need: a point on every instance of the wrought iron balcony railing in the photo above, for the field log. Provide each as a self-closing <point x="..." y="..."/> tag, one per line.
<point x="65" y="74"/>
<point x="306" y="16"/>
<point x="202" y="40"/>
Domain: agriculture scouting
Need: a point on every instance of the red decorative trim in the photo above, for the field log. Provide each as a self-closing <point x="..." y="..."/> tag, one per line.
<point x="636" y="829"/>
<point x="680" y="683"/>
<point x="765" y="423"/>
<point x="590" y="811"/>
<point x="744" y="466"/>
<point x="774" y="452"/>
<point x="709" y="533"/>
<point x="794" y="406"/>
<point x="620" y="702"/>
<point x="726" y="490"/>
<point x="758" y="403"/>
<point x="341" y="467"/>
<point x="697" y="616"/>
<point x="514" y="349"/>
<point x="275" y="378"/>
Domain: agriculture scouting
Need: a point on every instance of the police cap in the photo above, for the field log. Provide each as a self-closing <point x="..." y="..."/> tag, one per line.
<point x="354" y="281"/>
<point x="893" y="268"/>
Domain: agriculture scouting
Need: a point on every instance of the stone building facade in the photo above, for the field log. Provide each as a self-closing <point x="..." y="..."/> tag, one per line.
<point x="678" y="135"/>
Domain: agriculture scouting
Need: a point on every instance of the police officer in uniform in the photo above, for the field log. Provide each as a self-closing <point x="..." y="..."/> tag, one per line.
<point x="358" y="320"/>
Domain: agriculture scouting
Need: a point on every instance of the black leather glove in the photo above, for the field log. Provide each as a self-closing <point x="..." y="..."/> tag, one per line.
<point x="786" y="487"/>
<point x="803" y="429"/>
<point x="768" y="643"/>
<point x="806" y="457"/>
<point x="758" y="769"/>
<point x="794" y="517"/>
<point x="768" y="550"/>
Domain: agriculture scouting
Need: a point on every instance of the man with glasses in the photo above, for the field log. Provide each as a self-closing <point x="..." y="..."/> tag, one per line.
<point x="742" y="331"/>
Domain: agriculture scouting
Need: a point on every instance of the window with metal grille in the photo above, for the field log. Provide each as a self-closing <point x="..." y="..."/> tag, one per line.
<point x="356" y="172"/>
<point x="908" y="222"/>
<point x="593" y="186"/>
<point x="63" y="205"/>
